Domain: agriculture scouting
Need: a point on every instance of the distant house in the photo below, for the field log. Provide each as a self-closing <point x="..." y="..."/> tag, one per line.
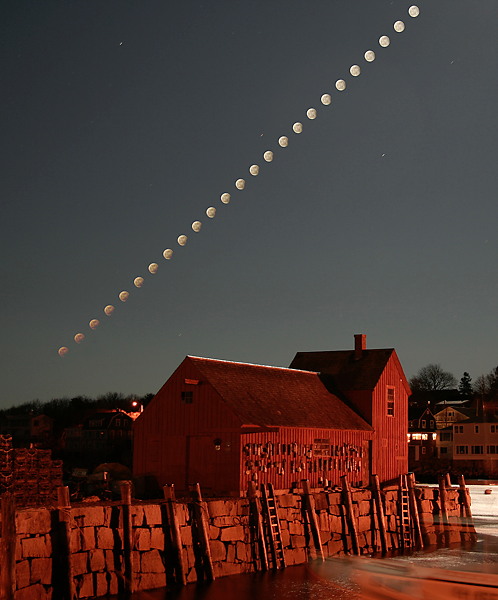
<point x="223" y="424"/>
<point x="475" y="447"/>
<point x="103" y="435"/>
<point x="447" y="415"/>
<point x="422" y="439"/>
<point x="28" y="429"/>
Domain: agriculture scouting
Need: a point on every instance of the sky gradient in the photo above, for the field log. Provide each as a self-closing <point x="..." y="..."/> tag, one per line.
<point x="122" y="122"/>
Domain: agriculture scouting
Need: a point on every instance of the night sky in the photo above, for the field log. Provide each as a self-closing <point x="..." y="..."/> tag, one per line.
<point x="122" y="122"/>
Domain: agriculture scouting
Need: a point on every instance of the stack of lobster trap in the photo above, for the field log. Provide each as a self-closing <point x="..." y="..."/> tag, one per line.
<point x="29" y="474"/>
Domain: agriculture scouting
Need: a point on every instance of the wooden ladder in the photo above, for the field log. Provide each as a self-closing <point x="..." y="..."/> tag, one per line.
<point x="273" y="534"/>
<point x="405" y="530"/>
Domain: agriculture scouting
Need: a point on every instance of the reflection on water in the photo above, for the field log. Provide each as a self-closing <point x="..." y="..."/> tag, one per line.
<point x="301" y="582"/>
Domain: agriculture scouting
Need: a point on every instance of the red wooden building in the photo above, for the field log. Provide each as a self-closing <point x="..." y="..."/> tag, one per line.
<point x="223" y="423"/>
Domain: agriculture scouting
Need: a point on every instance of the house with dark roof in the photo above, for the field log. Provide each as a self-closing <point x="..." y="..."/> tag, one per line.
<point x="223" y="424"/>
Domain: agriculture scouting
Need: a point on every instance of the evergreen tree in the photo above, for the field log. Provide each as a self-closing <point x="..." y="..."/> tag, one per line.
<point x="465" y="386"/>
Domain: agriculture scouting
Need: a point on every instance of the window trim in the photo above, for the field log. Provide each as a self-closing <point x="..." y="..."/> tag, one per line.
<point x="390" y="402"/>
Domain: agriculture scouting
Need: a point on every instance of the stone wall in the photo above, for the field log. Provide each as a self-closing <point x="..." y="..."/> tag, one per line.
<point x="96" y="539"/>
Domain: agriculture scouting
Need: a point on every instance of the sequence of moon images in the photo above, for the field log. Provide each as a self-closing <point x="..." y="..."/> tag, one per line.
<point x="283" y="141"/>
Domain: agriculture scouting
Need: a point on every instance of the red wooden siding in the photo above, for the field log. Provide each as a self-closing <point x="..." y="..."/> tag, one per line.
<point x="174" y="441"/>
<point x="287" y="456"/>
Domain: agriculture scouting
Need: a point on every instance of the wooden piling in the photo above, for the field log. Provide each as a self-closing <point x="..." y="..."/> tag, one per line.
<point x="443" y="503"/>
<point x="417" y="530"/>
<point x="447" y="480"/>
<point x="175" y="536"/>
<point x="309" y="507"/>
<point x="255" y="507"/>
<point x="127" y="565"/>
<point x="199" y="511"/>
<point x="8" y="547"/>
<point x="350" y="518"/>
<point x="64" y="542"/>
<point x="464" y="500"/>
<point x="379" y="509"/>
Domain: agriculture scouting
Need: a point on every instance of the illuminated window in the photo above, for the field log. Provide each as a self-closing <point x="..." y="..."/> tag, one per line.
<point x="416" y="436"/>
<point x="187" y="397"/>
<point x="390" y="402"/>
<point x="424" y="436"/>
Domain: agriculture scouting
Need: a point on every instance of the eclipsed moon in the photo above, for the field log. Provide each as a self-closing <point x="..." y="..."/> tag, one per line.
<point x="182" y="240"/>
<point x="225" y="198"/>
<point x="268" y="156"/>
<point x="369" y="55"/>
<point x="123" y="296"/>
<point x="240" y="184"/>
<point x="355" y="70"/>
<point x="340" y="85"/>
<point x="254" y="170"/>
<point x="414" y="11"/>
<point x="63" y="351"/>
<point x="211" y="212"/>
<point x="283" y="141"/>
<point x="153" y="267"/>
<point x="399" y="26"/>
<point x="326" y="99"/>
<point x="109" y="309"/>
<point x="384" y="41"/>
<point x="297" y="127"/>
<point x="138" y="282"/>
<point x="311" y="113"/>
<point x="79" y="337"/>
<point x="196" y="226"/>
<point x="94" y="323"/>
<point x="168" y="253"/>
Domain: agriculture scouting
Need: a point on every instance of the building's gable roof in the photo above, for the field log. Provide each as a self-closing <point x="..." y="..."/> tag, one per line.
<point x="347" y="372"/>
<point x="274" y="396"/>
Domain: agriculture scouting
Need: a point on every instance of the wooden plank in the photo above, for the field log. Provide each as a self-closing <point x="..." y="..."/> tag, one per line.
<point x="8" y="547"/>
<point x="127" y="569"/>
<point x="309" y="506"/>
<point x="199" y="511"/>
<point x="350" y="518"/>
<point x="174" y="532"/>
<point x="379" y="509"/>
<point x="255" y="506"/>
<point x="417" y="530"/>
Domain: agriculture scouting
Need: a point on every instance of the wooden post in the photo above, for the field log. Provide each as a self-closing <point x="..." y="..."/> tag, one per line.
<point x="199" y="510"/>
<point x="419" y="542"/>
<point x="309" y="506"/>
<point x="379" y="507"/>
<point x="174" y="529"/>
<point x="255" y="506"/>
<point x="127" y="569"/>
<point x="465" y="500"/>
<point x="444" y="508"/>
<point x="64" y="516"/>
<point x="8" y="547"/>
<point x="348" y="503"/>
<point x="447" y="480"/>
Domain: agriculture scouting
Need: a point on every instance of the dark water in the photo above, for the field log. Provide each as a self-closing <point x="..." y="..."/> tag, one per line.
<point x="333" y="579"/>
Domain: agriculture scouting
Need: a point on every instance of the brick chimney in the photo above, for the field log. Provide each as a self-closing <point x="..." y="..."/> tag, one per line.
<point x="360" y="344"/>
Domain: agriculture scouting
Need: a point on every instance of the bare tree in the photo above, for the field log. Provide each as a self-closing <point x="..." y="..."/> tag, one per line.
<point x="431" y="378"/>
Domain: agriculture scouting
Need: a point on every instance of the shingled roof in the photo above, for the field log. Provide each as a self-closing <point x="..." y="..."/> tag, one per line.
<point x="275" y="396"/>
<point x="348" y="372"/>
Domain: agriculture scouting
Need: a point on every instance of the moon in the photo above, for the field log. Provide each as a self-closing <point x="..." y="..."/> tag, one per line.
<point x="94" y="323"/>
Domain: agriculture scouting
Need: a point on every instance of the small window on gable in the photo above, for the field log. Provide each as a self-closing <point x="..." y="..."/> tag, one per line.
<point x="187" y="397"/>
<point x="432" y="424"/>
<point x="390" y="402"/>
<point x="424" y="423"/>
<point x="476" y="428"/>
